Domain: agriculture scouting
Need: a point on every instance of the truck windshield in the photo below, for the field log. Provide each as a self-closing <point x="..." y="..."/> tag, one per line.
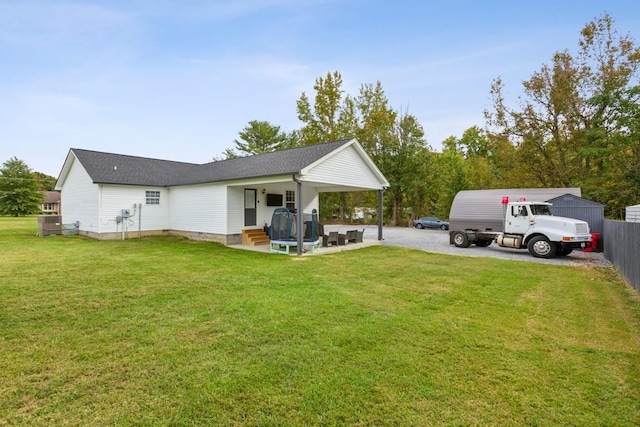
<point x="540" y="210"/>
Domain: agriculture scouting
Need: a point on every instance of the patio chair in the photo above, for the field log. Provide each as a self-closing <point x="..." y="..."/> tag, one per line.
<point x="359" y="235"/>
<point x="350" y="237"/>
<point x="335" y="238"/>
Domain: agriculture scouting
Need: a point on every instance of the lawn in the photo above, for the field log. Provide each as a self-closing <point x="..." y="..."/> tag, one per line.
<point x="166" y="331"/>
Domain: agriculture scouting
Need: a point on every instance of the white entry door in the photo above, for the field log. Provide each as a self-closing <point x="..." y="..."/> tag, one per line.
<point x="250" y="211"/>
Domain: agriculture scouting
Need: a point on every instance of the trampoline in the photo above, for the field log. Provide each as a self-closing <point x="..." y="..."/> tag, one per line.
<point x="283" y="233"/>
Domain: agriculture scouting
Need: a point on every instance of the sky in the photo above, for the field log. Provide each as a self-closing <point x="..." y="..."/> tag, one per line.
<point x="179" y="79"/>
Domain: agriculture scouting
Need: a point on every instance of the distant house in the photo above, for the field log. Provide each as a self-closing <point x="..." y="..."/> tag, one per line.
<point x="111" y="196"/>
<point x="51" y="203"/>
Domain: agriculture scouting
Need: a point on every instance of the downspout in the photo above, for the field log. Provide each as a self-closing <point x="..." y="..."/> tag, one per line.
<point x="380" y="197"/>
<point x="139" y="219"/>
<point x="299" y="223"/>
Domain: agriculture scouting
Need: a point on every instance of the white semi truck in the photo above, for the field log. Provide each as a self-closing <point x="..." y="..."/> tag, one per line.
<point x="527" y="225"/>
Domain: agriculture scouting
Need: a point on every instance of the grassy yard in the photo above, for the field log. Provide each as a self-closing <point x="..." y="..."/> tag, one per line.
<point x="165" y="331"/>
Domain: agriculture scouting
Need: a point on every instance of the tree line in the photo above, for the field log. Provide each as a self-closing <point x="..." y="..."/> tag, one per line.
<point x="576" y="124"/>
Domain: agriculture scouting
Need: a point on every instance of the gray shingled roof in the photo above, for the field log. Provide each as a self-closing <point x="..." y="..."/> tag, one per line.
<point x="108" y="168"/>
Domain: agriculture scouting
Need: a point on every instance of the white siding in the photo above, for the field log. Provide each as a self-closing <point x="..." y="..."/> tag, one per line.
<point x="114" y="198"/>
<point x="310" y="199"/>
<point x="266" y="212"/>
<point x="344" y="168"/>
<point x="235" y="210"/>
<point x="235" y="203"/>
<point x="79" y="199"/>
<point x="199" y="208"/>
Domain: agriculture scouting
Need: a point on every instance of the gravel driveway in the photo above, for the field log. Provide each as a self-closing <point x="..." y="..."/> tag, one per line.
<point x="438" y="241"/>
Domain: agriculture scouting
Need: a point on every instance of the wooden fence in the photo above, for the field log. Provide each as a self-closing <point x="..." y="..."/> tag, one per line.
<point x="621" y="243"/>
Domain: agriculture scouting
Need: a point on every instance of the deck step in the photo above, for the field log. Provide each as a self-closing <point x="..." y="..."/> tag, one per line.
<point x="254" y="237"/>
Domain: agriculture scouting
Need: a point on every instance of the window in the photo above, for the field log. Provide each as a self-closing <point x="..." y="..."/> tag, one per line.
<point x="540" y="210"/>
<point x="153" y="197"/>
<point x="291" y="199"/>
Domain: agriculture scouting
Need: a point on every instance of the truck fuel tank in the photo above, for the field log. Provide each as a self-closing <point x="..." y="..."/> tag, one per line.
<point x="509" y="241"/>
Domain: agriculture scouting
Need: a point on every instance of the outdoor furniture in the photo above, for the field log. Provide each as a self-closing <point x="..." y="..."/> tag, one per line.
<point x="350" y="236"/>
<point x="335" y="238"/>
<point x="359" y="235"/>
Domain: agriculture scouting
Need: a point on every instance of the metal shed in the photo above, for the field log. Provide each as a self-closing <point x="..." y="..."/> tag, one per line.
<point x="482" y="209"/>
<point x="632" y="213"/>
<point x="571" y="206"/>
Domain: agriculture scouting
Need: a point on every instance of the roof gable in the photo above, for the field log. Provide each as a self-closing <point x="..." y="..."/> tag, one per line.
<point x="573" y="200"/>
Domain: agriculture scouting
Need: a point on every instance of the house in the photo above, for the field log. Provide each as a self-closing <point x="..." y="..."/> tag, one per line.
<point x="50" y="203"/>
<point x="113" y="196"/>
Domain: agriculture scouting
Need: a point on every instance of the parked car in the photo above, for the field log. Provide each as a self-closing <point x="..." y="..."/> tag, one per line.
<point x="430" y="222"/>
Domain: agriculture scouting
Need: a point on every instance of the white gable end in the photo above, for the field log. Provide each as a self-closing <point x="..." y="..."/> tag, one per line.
<point x="80" y="198"/>
<point x="345" y="168"/>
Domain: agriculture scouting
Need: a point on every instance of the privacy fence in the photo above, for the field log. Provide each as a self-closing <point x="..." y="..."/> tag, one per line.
<point x="621" y="242"/>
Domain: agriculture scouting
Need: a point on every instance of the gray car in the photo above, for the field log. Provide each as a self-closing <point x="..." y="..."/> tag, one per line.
<point x="430" y="222"/>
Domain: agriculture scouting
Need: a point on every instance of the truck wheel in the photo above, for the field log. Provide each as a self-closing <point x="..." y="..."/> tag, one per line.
<point x="460" y="239"/>
<point x="483" y="243"/>
<point x="541" y="247"/>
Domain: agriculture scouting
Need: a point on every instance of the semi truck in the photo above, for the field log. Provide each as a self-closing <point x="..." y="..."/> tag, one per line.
<point x="526" y="225"/>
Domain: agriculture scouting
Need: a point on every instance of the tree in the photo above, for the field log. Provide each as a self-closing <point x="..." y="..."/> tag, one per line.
<point x="228" y="153"/>
<point x="19" y="190"/>
<point x="577" y="116"/>
<point x="449" y="168"/>
<point x="260" y="137"/>
<point x="480" y="163"/>
<point x="331" y="117"/>
<point x="394" y="141"/>
<point x="45" y="182"/>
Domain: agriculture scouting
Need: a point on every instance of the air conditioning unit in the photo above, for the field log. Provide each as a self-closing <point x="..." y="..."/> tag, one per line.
<point x="49" y="225"/>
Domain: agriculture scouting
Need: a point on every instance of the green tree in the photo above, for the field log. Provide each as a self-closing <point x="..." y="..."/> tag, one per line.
<point x="399" y="159"/>
<point x="451" y="172"/>
<point x="260" y="137"/>
<point x="45" y="182"/>
<point x="577" y="116"/>
<point x="331" y="117"/>
<point x="228" y="153"/>
<point x="19" y="189"/>
<point x="481" y="167"/>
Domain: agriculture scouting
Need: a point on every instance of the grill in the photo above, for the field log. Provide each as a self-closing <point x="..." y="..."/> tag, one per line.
<point x="582" y="229"/>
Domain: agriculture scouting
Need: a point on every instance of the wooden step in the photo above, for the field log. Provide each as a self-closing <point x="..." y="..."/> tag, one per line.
<point x="254" y="237"/>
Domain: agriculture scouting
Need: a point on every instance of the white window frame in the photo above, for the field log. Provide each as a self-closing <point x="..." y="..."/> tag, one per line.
<point x="290" y="199"/>
<point x="152" y="197"/>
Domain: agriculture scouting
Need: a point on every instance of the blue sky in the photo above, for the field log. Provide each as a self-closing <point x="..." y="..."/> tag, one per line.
<point x="179" y="79"/>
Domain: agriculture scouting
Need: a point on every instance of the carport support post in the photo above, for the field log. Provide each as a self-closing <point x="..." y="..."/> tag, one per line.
<point x="299" y="219"/>
<point x="380" y="194"/>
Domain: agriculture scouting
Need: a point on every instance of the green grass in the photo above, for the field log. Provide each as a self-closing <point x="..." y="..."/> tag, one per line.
<point x="165" y="331"/>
